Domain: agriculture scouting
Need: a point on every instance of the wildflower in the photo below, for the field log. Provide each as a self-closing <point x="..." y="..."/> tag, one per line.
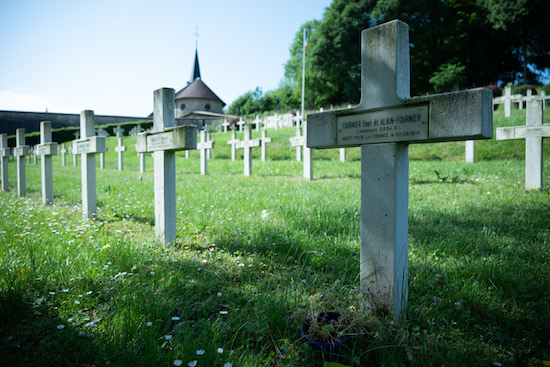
<point x="178" y="362"/>
<point x="175" y="318"/>
<point x="60" y="326"/>
<point x="228" y="364"/>
<point x="223" y="312"/>
<point x="149" y="324"/>
<point x="192" y="363"/>
<point x="168" y="337"/>
<point x="219" y="294"/>
<point x="76" y="302"/>
<point x="265" y="214"/>
<point x="200" y="352"/>
<point x="220" y="350"/>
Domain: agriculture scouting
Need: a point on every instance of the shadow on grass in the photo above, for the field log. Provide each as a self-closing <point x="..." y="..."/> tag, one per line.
<point x="485" y="274"/>
<point x="34" y="336"/>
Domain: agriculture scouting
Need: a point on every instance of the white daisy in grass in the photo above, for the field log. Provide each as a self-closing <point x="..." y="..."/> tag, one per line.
<point x="220" y="350"/>
<point x="178" y="362"/>
<point x="175" y="318"/>
<point x="192" y="363"/>
<point x="200" y="352"/>
<point x="223" y="312"/>
<point x="60" y="326"/>
<point x="228" y="364"/>
<point x="149" y="324"/>
<point x="168" y="337"/>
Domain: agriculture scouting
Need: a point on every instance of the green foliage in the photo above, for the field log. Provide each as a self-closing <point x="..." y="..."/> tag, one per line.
<point x="450" y="77"/>
<point x="522" y="89"/>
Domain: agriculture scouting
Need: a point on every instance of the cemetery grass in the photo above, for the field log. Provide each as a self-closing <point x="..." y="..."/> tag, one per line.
<point x="255" y="256"/>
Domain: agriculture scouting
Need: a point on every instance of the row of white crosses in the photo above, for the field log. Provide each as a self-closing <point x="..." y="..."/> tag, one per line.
<point x="507" y="99"/>
<point x="385" y="122"/>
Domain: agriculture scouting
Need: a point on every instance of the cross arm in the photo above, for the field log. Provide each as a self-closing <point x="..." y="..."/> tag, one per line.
<point x="176" y="138"/>
<point x="464" y="115"/>
<point x="522" y="132"/>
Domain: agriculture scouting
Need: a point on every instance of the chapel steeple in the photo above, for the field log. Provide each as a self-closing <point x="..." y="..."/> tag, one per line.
<point x="196" y="72"/>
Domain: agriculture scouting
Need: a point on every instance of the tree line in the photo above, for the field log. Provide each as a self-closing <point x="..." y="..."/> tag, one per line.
<point x="455" y="44"/>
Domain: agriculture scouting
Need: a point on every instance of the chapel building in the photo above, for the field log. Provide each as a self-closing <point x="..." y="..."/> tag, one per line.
<point x="196" y="103"/>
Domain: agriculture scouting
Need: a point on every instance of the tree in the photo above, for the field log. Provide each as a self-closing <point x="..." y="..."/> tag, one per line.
<point x="524" y="22"/>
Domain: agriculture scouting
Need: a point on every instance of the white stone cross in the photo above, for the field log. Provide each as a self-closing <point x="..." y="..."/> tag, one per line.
<point x="46" y="149"/>
<point x="21" y="150"/>
<point x="4" y="156"/>
<point x="300" y="141"/>
<point x="257" y="121"/>
<point x="470" y="150"/>
<point x="63" y="152"/>
<point x="233" y="141"/>
<point x="163" y="141"/>
<point x="87" y="146"/>
<point x="385" y="122"/>
<point x="120" y="149"/>
<point x="102" y="159"/>
<point x="241" y="123"/>
<point x="225" y="125"/>
<point x="209" y="150"/>
<point x="297" y="119"/>
<point x="533" y="133"/>
<point x="34" y="151"/>
<point x="507" y="99"/>
<point x="119" y="131"/>
<point x="276" y="121"/>
<point x="203" y="146"/>
<point x="75" y="156"/>
<point x="263" y="142"/>
<point x="247" y="144"/>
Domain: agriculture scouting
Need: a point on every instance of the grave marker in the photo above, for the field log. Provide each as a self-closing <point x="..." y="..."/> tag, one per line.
<point x="204" y="146"/>
<point x="470" y="149"/>
<point x="247" y="144"/>
<point x="225" y="124"/>
<point x="34" y="152"/>
<point x="263" y="142"/>
<point x="120" y="148"/>
<point x="300" y="141"/>
<point x="164" y="140"/>
<point x="241" y="123"/>
<point x="46" y="149"/>
<point x="233" y="141"/>
<point x="75" y="156"/>
<point x="4" y="156"/>
<point x="63" y="151"/>
<point x="88" y="146"/>
<point x="533" y="133"/>
<point x="257" y="121"/>
<point x="385" y="122"/>
<point x="21" y="150"/>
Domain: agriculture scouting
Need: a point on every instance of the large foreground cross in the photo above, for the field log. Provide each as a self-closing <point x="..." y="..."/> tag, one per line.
<point x="384" y="123"/>
<point x="163" y="142"/>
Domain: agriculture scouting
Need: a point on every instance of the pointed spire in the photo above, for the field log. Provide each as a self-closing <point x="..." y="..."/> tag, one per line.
<point x="196" y="72"/>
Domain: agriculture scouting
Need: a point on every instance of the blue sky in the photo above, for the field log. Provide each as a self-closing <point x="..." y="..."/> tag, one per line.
<point x="110" y="55"/>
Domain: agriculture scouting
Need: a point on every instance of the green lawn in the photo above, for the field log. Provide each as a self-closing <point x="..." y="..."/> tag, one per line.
<point x="256" y="255"/>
